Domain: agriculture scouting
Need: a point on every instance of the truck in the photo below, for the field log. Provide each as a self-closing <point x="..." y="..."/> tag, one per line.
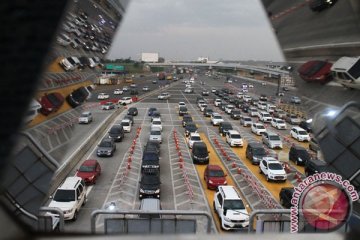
<point x="346" y="71"/>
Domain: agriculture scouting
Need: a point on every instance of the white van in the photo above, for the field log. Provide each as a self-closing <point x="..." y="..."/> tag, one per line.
<point x="346" y="71"/>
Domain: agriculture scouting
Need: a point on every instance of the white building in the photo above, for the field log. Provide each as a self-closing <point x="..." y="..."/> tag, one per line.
<point x="150" y="57"/>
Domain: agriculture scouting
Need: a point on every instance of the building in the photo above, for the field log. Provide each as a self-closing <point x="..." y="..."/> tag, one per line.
<point x="150" y="57"/>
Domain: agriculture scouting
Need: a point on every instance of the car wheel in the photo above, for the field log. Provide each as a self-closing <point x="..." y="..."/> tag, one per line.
<point x="260" y="171"/>
<point x="282" y="202"/>
<point x="75" y="216"/>
<point x="267" y="178"/>
<point x="84" y="202"/>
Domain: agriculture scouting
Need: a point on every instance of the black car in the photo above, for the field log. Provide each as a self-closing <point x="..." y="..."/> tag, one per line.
<point x="245" y="108"/>
<point x="208" y="112"/>
<point x="200" y="153"/>
<point x="226" y="98"/>
<point x="150" y="162"/>
<point x="306" y="126"/>
<point x="224" y="127"/>
<point x="152" y="146"/>
<point x="151" y="111"/>
<point x="235" y="114"/>
<point x="298" y="155"/>
<point x="132" y="111"/>
<point x="186" y="119"/>
<point x="117" y="133"/>
<point x="255" y="152"/>
<point x="149" y="186"/>
<point x="320" y="5"/>
<point x="106" y="148"/>
<point x="285" y="196"/>
<point x="190" y="128"/>
<point x="183" y="110"/>
<point x="134" y="92"/>
<point x="313" y="166"/>
<point x="154" y="81"/>
<point x="155" y="114"/>
<point x="232" y="100"/>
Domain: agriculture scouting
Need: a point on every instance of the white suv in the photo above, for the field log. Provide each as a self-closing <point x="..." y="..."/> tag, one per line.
<point x="69" y="197"/>
<point x="265" y="117"/>
<point x="230" y="208"/>
<point x="125" y="100"/>
<point x="299" y="134"/>
<point x="258" y="128"/>
<point x="85" y="117"/>
<point x="233" y="138"/>
<point x="193" y="137"/>
<point x="278" y="123"/>
<point x="228" y="108"/>
<point x="126" y="124"/>
<point x="272" y="140"/>
<point x="217" y="102"/>
<point x="216" y="119"/>
<point x="156" y="124"/>
<point x="272" y="169"/>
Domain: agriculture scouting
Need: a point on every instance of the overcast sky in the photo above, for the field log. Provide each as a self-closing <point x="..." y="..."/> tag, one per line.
<point x="188" y="29"/>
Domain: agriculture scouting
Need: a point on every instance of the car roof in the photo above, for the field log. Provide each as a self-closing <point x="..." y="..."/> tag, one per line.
<point x="125" y="120"/>
<point x="214" y="167"/>
<point x="89" y="162"/>
<point x="298" y="147"/>
<point x="156" y="119"/>
<point x="194" y="134"/>
<point x="233" y="132"/>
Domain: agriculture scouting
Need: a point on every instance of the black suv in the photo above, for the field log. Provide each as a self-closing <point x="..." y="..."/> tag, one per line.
<point x="285" y="196"/>
<point x="117" y="133"/>
<point x="255" y="151"/>
<point x="208" y="112"/>
<point x="190" y="128"/>
<point x="186" y="119"/>
<point x="298" y="155"/>
<point x="107" y="147"/>
<point x="306" y="126"/>
<point x="132" y="111"/>
<point x="235" y="114"/>
<point x="183" y="111"/>
<point x="149" y="186"/>
<point x="313" y="166"/>
<point x="134" y="92"/>
<point x="224" y="127"/>
<point x="152" y="146"/>
<point x="150" y="162"/>
<point x="200" y="153"/>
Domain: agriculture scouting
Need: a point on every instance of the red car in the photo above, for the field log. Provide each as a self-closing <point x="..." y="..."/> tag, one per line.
<point x="214" y="176"/>
<point x="89" y="171"/>
<point x="51" y="103"/>
<point x="315" y="71"/>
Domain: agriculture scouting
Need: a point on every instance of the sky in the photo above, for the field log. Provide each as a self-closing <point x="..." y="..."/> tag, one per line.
<point x="188" y="29"/>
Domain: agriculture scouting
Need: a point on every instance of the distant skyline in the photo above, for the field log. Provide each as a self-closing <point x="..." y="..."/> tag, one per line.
<point x="188" y="29"/>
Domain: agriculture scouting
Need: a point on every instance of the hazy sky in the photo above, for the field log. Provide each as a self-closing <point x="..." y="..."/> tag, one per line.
<point x="188" y="29"/>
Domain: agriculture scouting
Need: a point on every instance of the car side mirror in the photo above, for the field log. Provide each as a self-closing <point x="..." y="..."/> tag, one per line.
<point x="51" y="197"/>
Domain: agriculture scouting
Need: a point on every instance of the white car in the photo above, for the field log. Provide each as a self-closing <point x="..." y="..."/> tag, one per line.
<point x="272" y="140"/>
<point x="189" y="90"/>
<point x="188" y="85"/>
<point x="126" y="124"/>
<point x="278" y="123"/>
<point x="202" y="107"/>
<point x="201" y="102"/>
<point x="85" y="117"/>
<point x="295" y="100"/>
<point x="156" y="124"/>
<point x="182" y="104"/>
<point x="263" y="83"/>
<point x="102" y="96"/>
<point x="70" y="197"/>
<point x="125" y="101"/>
<point x="217" y="102"/>
<point x="125" y="89"/>
<point x="251" y="86"/>
<point x="258" y="128"/>
<point x="118" y="91"/>
<point x="230" y="208"/>
<point x="240" y="95"/>
<point x="108" y="106"/>
<point x="146" y="88"/>
<point x="229" y="108"/>
<point x="245" y="121"/>
<point x="245" y="90"/>
<point x="272" y="169"/>
<point x="299" y="134"/>
<point x="193" y="137"/>
<point x="213" y="90"/>
<point x="233" y="138"/>
<point x="261" y="105"/>
<point x="270" y="108"/>
<point x="164" y="96"/>
<point x="253" y="112"/>
<point x="216" y="119"/>
<point x="265" y="117"/>
<point x="247" y="98"/>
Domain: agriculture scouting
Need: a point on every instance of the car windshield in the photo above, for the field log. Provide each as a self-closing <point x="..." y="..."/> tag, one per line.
<point x="105" y="144"/>
<point x="125" y="124"/>
<point x="234" y="204"/>
<point x="217" y="117"/>
<point x="84" y="168"/>
<point x="275" y="166"/>
<point x="115" y="130"/>
<point x="260" y="127"/>
<point x="155" y="133"/>
<point x="84" y="115"/>
<point x="303" y="154"/>
<point x="235" y="136"/>
<point x="195" y="138"/>
<point x="156" y="122"/>
<point x="247" y="119"/>
<point x="259" y="151"/>
<point x="64" y="195"/>
<point x="280" y="121"/>
<point x="301" y="132"/>
<point x="201" y="151"/>
<point x="274" y="138"/>
<point x="216" y="173"/>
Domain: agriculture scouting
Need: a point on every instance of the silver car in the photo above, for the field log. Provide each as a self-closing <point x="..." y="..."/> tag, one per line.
<point x="272" y="140"/>
<point x="155" y="135"/>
